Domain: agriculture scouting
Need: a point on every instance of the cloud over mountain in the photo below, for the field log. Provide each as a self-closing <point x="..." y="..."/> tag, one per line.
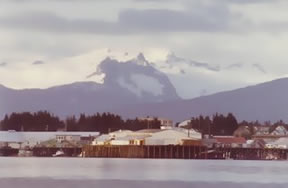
<point x="124" y="83"/>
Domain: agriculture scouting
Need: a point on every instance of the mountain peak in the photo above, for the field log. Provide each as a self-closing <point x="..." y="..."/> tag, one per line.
<point x="141" y="56"/>
<point x="141" y="60"/>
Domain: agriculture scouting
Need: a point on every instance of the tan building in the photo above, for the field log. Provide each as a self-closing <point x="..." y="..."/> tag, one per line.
<point x="163" y="121"/>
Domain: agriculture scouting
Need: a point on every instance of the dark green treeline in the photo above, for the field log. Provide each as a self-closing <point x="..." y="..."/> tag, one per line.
<point x="45" y="121"/>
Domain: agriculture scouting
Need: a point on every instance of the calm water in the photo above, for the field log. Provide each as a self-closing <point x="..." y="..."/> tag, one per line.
<point x="79" y="172"/>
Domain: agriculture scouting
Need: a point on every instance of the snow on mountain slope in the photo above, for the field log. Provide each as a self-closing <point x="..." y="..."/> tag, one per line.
<point x="190" y="78"/>
<point x="123" y="83"/>
<point x="137" y="76"/>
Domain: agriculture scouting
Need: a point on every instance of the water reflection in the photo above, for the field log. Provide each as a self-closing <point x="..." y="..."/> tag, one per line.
<point x="79" y="172"/>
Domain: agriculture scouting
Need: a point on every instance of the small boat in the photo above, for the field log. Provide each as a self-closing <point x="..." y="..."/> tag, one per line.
<point x="59" y="153"/>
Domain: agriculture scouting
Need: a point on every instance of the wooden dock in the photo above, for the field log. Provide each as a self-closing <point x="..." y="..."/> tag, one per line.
<point x="6" y="151"/>
<point x="153" y="152"/>
<point x="158" y="152"/>
<point x="184" y="152"/>
<point x="50" y="151"/>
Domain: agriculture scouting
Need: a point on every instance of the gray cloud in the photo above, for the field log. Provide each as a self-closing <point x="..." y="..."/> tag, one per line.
<point x="38" y="62"/>
<point x="173" y="60"/>
<point x="206" y="65"/>
<point x="206" y="18"/>
<point x="259" y="68"/>
<point x="50" y="22"/>
<point x="3" y="64"/>
<point x="235" y="65"/>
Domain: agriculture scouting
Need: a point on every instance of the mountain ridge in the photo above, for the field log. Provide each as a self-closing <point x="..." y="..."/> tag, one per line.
<point x="249" y="103"/>
<point x="125" y="83"/>
<point x="263" y="102"/>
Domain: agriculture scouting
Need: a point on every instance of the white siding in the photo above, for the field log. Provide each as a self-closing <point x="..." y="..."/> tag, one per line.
<point x="119" y="142"/>
<point x="32" y="138"/>
<point x="166" y="137"/>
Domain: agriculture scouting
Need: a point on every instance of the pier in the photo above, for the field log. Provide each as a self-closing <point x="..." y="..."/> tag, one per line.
<point x="50" y="151"/>
<point x="156" y="152"/>
<point x="152" y="152"/>
<point x="184" y="152"/>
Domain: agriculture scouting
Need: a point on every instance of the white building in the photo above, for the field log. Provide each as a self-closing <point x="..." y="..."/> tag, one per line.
<point x="123" y="137"/>
<point x="281" y="143"/>
<point x="31" y="139"/>
<point x="184" y="123"/>
<point x="262" y="130"/>
<point x="174" y="136"/>
<point x="103" y="139"/>
<point x="171" y="137"/>
<point x="163" y="121"/>
<point x="120" y="133"/>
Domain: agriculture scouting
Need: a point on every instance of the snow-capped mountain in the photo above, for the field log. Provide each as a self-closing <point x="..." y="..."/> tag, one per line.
<point x="191" y="77"/>
<point x="134" y="86"/>
<point x="124" y="83"/>
<point x="203" y="78"/>
<point x="138" y="77"/>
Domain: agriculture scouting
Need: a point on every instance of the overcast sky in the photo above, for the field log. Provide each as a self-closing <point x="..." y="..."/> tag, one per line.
<point x="51" y="42"/>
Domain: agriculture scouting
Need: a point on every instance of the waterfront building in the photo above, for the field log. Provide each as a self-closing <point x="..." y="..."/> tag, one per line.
<point x="229" y="141"/>
<point x="279" y="131"/>
<point x="281" y="143"/>
<point x="262" y="130"/>
<point x="171" y="137"/>
<point x="174" y="136"/>
<point x="31" y="139"/>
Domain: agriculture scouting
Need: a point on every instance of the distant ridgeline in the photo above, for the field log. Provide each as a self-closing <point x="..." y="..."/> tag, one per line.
<point x="106" y="122"/>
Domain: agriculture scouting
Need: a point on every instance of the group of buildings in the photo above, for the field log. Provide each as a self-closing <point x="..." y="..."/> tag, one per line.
<point x="163" y="136"/>
<point x="260" y="137"/>
<point x="271" y="137"/>
<point x="21" y="140"/>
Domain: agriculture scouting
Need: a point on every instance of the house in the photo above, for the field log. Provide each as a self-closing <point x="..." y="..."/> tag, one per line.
<point x="262" y="130"/>
<point x="279" y="131"/>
